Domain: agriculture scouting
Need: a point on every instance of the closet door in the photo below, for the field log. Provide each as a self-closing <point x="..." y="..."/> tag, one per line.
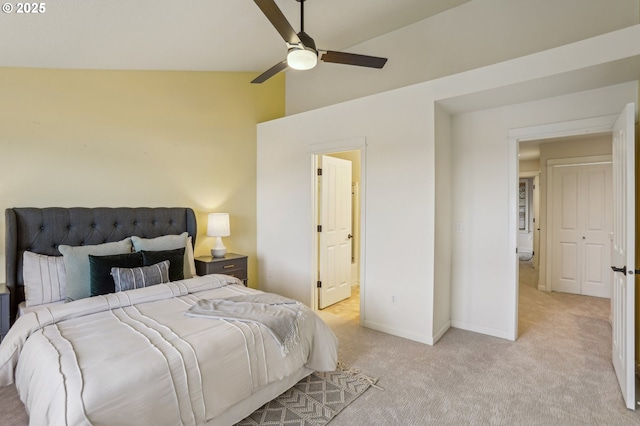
<point x="581" y="226"/>
<point x="597" y="227"/>
<point x="566" y="247"/>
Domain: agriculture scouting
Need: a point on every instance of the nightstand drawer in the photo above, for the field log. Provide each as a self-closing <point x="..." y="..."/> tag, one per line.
<point x="232" y="264"/>
<point x="227" y="267"/>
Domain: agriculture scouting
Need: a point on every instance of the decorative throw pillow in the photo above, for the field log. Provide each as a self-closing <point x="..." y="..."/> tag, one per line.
<point x="100" y="270"/>
<point x="175" y="258"/>
<point x="44" y="278"/>
<point x="145" y="276"/>
<point x="76" y="263"/>
<point x="167" y="242"/>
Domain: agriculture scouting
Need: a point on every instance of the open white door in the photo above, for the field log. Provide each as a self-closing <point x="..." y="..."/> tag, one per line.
<point x="335" y="236"/>
<point x="623" y="254"/>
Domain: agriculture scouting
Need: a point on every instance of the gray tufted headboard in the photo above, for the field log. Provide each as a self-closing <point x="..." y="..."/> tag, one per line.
<point x="42" y="230"/>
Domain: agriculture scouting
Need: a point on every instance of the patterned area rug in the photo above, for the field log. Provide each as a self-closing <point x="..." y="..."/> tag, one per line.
<point x="314" y="400"/>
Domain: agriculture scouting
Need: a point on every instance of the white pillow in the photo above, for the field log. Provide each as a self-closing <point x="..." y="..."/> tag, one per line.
<point x="169" y="242"/>
<point x="44" y="278"/>
<point x="189" y="260"/>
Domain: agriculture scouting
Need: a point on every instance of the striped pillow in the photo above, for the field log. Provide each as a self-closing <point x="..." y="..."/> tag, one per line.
<point x="44" y="278"/>
<point x="145" y="276"/>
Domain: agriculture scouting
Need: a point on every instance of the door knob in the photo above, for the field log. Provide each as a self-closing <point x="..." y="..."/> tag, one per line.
<point x="349" y="236"/>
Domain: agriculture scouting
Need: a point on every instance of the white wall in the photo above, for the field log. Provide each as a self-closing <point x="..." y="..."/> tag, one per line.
<point x="444" y="223"/>
<point x="401" y="189"/>
<point x="398" y="256"/>
<point x="481" y="284"/>
<point x="472" y="35"/>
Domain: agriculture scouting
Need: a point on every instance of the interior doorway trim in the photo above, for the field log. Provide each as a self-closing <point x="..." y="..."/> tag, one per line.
<point x="587" y="126"/>
<point x="314" y="151"/>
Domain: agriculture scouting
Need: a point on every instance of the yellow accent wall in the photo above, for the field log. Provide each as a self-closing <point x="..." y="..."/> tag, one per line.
<point x="136" y="138"/>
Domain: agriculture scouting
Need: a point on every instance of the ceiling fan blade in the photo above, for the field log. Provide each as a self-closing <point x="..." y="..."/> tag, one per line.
<point x="280" y="66"/>
<point x="277" y="19"/>
<point x="354" y="59"/>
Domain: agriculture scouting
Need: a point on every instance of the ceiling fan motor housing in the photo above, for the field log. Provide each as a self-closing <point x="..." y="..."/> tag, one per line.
<point x="307" y="41"/>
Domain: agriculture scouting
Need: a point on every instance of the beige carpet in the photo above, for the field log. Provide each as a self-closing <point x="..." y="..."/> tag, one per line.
<point x="558" y="372"/>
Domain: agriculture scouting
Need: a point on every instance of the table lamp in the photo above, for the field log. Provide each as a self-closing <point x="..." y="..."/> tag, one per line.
<point x="218" y="226"/>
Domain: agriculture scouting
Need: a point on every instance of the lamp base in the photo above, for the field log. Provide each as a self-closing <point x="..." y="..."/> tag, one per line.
<point x="218" y="252"/>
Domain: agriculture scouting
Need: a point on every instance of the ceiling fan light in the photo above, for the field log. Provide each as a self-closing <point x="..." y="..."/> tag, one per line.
<point x="302" y="58"/>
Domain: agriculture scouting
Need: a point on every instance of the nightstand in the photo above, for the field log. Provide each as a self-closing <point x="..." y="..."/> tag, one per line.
<point x="5" y="316"/>
<point x="231" y="264"/>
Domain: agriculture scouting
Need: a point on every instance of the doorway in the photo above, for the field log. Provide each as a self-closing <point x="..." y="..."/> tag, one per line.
<point x="533" y="138"/>
<point x="331" y="298"/>
<point x="619" y="131"/>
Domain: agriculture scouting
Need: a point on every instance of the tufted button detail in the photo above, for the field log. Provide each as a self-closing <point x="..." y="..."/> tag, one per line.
<point x="154" y="222"/>
<point x="28" y="249"/>
<point x="69" y="226"/>
<point x="170" y="221"/>
<point x="93" y="225"/>
<point x="42" y="228"/>
<point x="135" y="223"/>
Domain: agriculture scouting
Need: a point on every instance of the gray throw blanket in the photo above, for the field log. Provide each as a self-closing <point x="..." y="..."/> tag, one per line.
<point x="281" y="316"/>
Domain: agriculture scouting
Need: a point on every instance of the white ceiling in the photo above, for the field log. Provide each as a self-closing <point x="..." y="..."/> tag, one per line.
<point x="191" y="35"/>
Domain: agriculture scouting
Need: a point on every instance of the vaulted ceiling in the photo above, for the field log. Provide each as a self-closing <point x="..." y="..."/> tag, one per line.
<point x="192" y="35"/>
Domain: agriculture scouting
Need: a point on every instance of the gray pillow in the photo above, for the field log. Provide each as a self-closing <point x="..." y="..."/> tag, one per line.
<point x="166" y="242"/>
<point x="76" y="264"/>
<point x="144" y="276"/>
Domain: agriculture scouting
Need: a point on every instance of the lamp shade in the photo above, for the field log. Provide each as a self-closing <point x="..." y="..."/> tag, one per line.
<point x="218" y="225"/>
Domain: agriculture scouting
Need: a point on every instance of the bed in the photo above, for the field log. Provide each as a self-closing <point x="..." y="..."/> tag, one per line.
<point x="133" y="355"/>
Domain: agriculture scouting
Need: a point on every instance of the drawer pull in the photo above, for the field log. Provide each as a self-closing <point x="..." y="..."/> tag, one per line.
<point x="228" y="266"/>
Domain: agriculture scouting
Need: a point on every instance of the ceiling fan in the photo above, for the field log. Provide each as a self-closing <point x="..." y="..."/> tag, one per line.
<point x="302" y="52"/>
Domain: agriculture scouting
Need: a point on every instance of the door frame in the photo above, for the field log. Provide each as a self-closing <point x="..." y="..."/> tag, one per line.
<point x="584" y="127"/>
<point x="589" y="160"/>
<point x="324" y="148"/>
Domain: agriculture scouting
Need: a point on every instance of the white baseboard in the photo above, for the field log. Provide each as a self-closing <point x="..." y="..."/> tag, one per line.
<point x="440" y="333"/>
<point x="400" y="333"/>
<point x="503" y="334"/>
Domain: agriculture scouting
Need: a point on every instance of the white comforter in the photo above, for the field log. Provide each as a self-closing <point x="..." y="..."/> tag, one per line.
<point x="135" y="358"/>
